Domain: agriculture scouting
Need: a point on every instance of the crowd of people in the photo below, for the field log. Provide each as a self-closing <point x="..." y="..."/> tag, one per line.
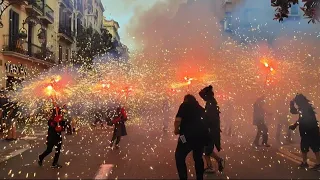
<point x="199" y="130"/>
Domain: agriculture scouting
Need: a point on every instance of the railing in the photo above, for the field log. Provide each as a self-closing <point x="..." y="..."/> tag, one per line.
<point x="66" y="31"/>
<point x="14" y="44"/>
<point x="79" y="6"/>
<point x="49" y="12"/>
<point x="68" y="4"/>
<point x="41" y="53"/>
<point x="37" y="4"/>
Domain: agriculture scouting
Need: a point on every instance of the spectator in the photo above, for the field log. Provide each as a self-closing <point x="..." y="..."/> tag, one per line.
<point x="11" y="120"/>
<point x="259" y="113"/>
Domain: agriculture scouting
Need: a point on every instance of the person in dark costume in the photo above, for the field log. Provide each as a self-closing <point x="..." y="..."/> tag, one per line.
<point x="212" y="119"/>
<point x="259" y="113"/>
<point x="54" y="137"/>
<point x="119" y="126"/>
<point x="308" y="128"/>
<point x="191" y="130"/>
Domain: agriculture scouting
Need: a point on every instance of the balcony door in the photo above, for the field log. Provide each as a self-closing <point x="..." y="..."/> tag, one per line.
<point x="13" y="29"/>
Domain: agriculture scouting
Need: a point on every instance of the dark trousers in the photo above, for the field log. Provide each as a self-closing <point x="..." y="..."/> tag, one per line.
<point x="181" y="153"/>
<point x="117" y="138"/>
<point x="57" y="145"/>
<point x="262" y="130"/>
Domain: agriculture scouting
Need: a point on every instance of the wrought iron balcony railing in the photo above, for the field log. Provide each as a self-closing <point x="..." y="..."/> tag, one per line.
<point x="49" y="13"/>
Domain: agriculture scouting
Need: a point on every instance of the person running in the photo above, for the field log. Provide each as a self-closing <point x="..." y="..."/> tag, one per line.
<point x="259" y="113"/>
<point x="212" y="119"/>
<point x="11" y="120"/>
<point x="308" y="128"/>
<point x="188" y="125"/>
<point x="119" y="126"/>
<point x="54" y="137"/>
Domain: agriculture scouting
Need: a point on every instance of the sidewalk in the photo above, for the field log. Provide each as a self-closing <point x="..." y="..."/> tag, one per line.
<point x="26" y="137"/>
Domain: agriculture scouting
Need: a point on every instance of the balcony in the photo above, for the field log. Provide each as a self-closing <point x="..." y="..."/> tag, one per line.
<point x="48" y="15"/>
<point x="66" y="33"/>
<point x="67" y="4"/>
<point x="16" y="48"/>
<point x="35" y="7"/>
<point x="40" y="53"/>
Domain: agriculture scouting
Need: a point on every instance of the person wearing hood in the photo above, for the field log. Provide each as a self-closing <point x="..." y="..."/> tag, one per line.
<point x="212" y="119"/>
<point x="119" y="126"/>
<point x="54" y="137"/>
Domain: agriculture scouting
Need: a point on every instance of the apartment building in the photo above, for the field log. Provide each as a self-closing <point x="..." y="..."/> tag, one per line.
<point x="112" y="26"/>
<point x="27" y="40"/>
<point x="93" y="14"/>
<point x="66" y="33"/>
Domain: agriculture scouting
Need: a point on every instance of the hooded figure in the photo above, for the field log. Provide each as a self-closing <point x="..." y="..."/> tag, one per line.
<point x="212" y="115"/>
<point x="212" y="121"/>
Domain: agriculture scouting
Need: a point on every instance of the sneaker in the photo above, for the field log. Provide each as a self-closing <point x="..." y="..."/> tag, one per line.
<point x="316" y="167"/>
<point x="209" y="170"/>
<point x="304" y="165"/>
<point x="221" y="164"/>
<point x="56" y="166"/>
<point x="39" y="161"/>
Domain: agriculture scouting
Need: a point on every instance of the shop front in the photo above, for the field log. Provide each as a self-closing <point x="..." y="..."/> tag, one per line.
<point x="15" y="70"/>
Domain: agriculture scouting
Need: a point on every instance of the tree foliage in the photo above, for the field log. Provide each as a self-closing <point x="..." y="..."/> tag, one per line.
<point x="311" y="9"/>
<point x="91" y="44"/>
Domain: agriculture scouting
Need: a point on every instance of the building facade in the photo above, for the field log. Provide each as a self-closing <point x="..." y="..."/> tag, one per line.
<point x="93" y="14"/>
<point x="112" y="27"/>
<point x="249" y="21"/>
<point x="27" y="40"/>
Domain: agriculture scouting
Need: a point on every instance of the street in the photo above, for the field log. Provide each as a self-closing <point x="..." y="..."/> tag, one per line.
<point x="145" y="154"/>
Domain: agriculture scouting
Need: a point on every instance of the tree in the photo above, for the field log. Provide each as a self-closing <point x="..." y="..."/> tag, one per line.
<point x="311" y="9"/>
<point x="91" y="44"/>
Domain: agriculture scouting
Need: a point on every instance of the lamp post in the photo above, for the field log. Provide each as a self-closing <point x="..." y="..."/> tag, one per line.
<point x="4" y="4"/>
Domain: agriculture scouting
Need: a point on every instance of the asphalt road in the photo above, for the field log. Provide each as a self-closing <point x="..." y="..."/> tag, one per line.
<point x="146" y="153"/>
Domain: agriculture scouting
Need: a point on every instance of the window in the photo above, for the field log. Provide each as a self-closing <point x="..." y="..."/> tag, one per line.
<point x="13" y="29"/>
<point x="60" y="54"/>
<point x="67" y="54"/>
<point x="227" y="22"/>
<point x="294" y="10"/>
